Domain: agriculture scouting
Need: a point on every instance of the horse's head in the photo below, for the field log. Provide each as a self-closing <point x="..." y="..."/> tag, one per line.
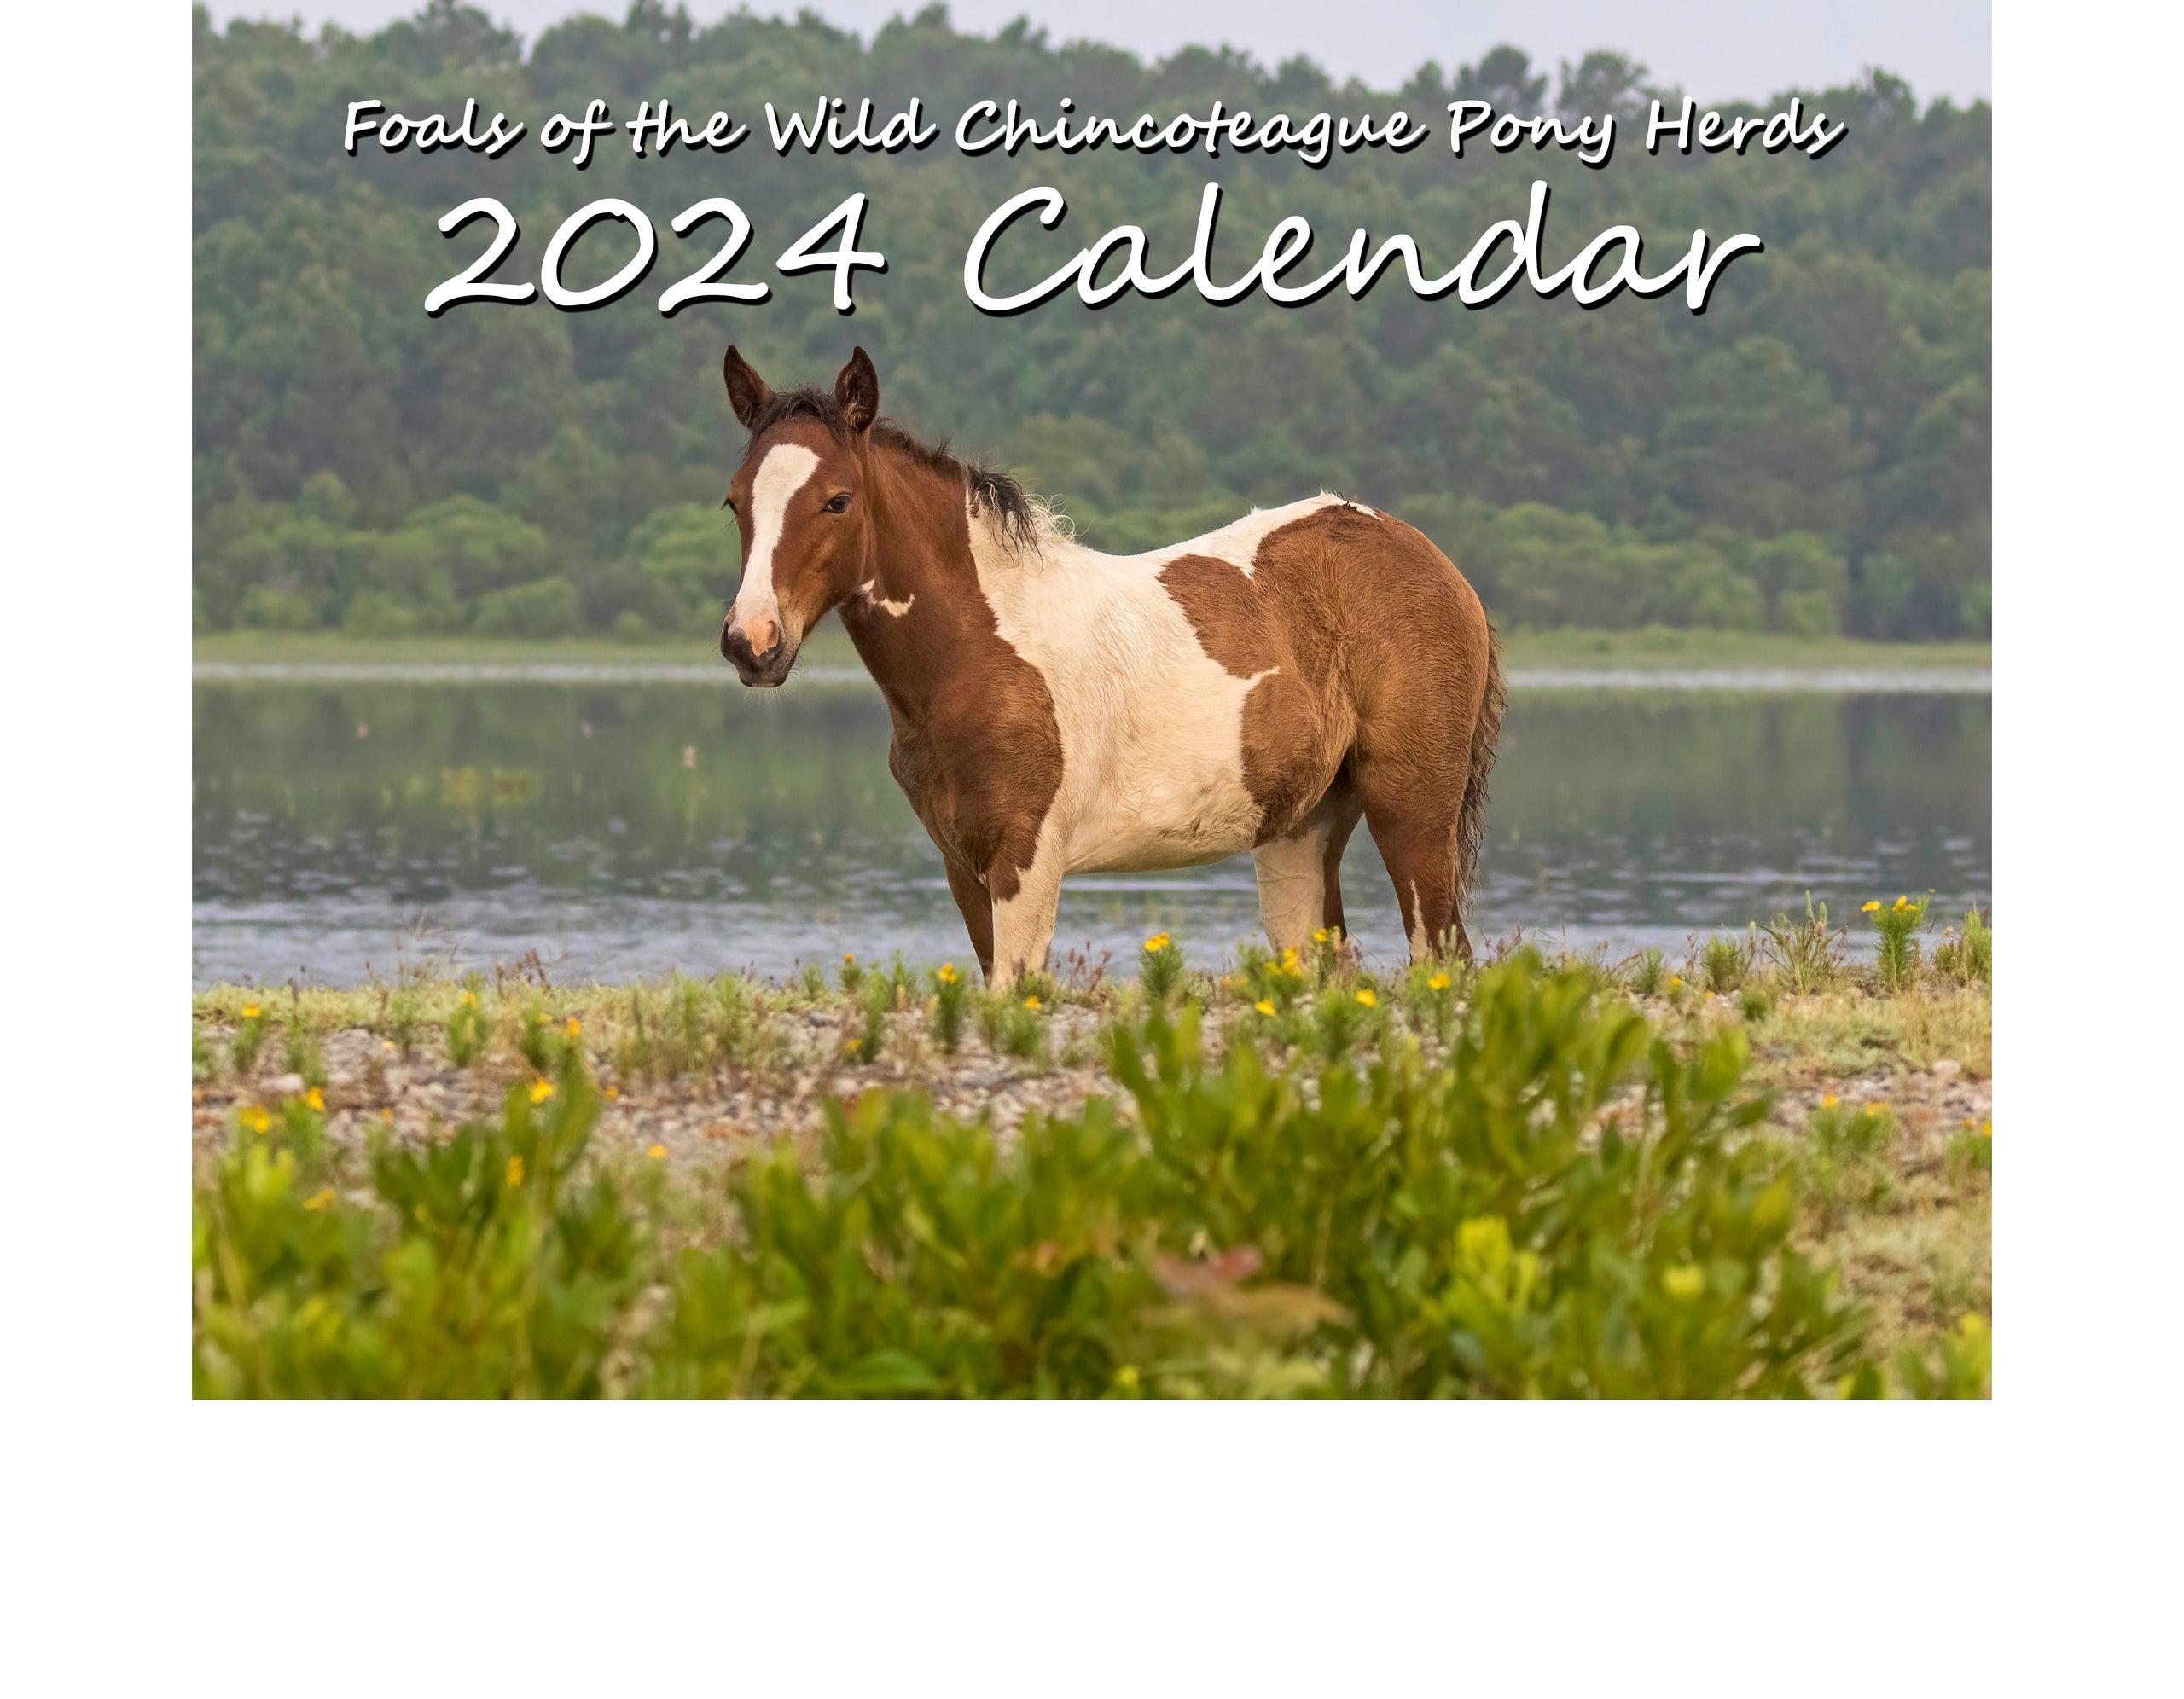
<point x="798" y="499"/>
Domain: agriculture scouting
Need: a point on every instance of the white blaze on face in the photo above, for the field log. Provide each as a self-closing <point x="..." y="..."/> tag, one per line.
<point x="785" y="469"/>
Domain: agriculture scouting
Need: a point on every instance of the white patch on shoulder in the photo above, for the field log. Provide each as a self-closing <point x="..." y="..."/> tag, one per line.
<point x="786" y="468"/>
<point x="1152" y="726"/>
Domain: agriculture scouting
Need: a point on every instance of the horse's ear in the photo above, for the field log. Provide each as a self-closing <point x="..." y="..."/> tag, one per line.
<point x="858" y="388"/>
<point x="747" y="390"/>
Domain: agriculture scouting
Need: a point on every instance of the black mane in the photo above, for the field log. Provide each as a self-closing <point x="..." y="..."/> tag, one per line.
<point x="992" y="492"/>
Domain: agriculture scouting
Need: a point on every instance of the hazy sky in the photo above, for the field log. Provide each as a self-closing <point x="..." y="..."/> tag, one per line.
<point x="1715" y="49"/>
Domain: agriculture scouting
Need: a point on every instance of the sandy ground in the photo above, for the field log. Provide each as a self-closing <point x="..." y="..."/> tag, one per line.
<point x="703" y="1117"/>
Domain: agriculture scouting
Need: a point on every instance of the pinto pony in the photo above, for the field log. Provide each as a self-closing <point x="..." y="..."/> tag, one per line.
<point x="1059" y="711"/>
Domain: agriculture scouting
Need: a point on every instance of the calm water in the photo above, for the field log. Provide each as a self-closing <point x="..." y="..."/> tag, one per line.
<point x="620" y="827"/>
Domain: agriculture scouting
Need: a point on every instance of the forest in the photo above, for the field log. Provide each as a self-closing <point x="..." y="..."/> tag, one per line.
<point x="1810" y="455"/>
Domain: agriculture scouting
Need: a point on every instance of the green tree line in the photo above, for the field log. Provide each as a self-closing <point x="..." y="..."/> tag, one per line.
<point x="1810" y="455"/>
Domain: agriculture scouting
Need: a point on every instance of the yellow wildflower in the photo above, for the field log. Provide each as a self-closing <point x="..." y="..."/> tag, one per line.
<point x="1439" y="982"/>
<point x="256" y="1119"/>
<point x="1126" y="1378"/>
<point x="847" y="958"/>
<point x="1674" y="982"/>
<point x="515" y="1170"/>
<point x="1319" y="936"/>
<point x="573" y="1029"/>
<point x="947" y="974"/>
<point x="321" y="1199"/>
<point x="1829" y="1101"/>
<point x="541" y="1090"/>
<point x="1871" y="909"/>
<point x="250" y="1011"/>
<point x="1687" y="1281"/>
<point x="469" y="999"/>
<point x="1902" y="903"/>
<point x="315" y="1098"/>
<point x="1367" y="998"/>
<point x="612" y="1092"/>
<point x="1157" y="942"/>
<point x="1264" y="1006"/>
<point x="657" y="1152"/>
<point x="1031" y="1002"/>
<point x="1986" y="1129"/>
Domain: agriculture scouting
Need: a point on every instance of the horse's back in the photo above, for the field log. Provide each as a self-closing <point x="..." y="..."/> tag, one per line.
<point x="1207" y="694"/>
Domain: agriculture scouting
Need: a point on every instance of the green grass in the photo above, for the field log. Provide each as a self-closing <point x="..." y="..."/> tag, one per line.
<point x="1300" y="1178"/>
<point x="1662" y="647"/>
<point x="1654" y="647"/>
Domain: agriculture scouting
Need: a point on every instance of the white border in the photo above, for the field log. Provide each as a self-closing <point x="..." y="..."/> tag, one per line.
<point x="158" y="1545"/>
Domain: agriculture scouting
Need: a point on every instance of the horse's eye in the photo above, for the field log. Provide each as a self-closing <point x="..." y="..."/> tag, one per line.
<point x="838" y="504"/>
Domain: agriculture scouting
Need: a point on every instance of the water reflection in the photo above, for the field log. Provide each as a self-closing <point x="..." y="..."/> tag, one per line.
<point x="621" y="828"/>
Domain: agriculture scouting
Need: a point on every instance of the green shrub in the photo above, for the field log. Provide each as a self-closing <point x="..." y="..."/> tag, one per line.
<point x="304" y="1055"/>
<point x="1431" y="997"/>
<point x="468" y="1032"/>
<point x="1726" y="961"/>
<point x="951" y="1007"/>
<point x="922" y="1262"/>
<point x="549" y="1048"/>
<point x="1342" y="1019"/>
<point x="1806" y="953"/>
<point x="249" y="1038"/>
<point x="484" y="1269"/>
<point x="404" y="1019"/>
<point x="1895" y="963"/>
<point x="1960" y="1366"/>
<point x="1973" y="1148"/>
<point x="1968" y="958"/>
<point x="1565" y="1206"/>
<point x="1160" y="967"/>
<point x="686" y="1026"/>
<point x="1490" y="1226"/>
<point x="1646" y="970"/>
<point x="1846" y="1156"/>
<point x="1023" y="1027"/>
<point x="1263" y="978"/>
<point x="872" y="1035"/>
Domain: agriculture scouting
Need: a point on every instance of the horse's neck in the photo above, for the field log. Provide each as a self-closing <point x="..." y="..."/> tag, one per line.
<point x="920" y="602"/>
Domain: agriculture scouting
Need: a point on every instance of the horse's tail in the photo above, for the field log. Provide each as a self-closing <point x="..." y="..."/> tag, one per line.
<point x="1470" y="822"/>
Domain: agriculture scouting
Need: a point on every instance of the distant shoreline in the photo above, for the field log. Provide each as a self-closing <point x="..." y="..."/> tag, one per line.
<point x="1653" y="658"/>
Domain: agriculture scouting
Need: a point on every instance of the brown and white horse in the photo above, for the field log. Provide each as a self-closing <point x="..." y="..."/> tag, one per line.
<point x="1058" y="710"/>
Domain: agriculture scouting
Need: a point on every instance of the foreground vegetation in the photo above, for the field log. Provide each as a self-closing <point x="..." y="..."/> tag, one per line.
<point x="1761" y="1172"/>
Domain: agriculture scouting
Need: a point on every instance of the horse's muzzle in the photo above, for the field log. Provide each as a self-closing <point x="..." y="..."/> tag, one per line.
<point x="758" y="671"/>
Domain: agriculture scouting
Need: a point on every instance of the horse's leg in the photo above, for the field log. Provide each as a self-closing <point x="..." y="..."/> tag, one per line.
<point x="1024" y="921"/>
<point x="1414" y="786"/>
<point x="978" y="913"/>
<point x="1349" y="806"/>
<point x="1299" y="876"/>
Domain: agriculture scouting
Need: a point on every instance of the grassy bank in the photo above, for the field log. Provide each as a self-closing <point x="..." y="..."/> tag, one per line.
<point x="1760" y="1171"/>
<point x="1655" y="647"/>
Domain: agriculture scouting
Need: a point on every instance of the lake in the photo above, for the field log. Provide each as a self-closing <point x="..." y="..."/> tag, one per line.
<point x="621" y="822"/>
